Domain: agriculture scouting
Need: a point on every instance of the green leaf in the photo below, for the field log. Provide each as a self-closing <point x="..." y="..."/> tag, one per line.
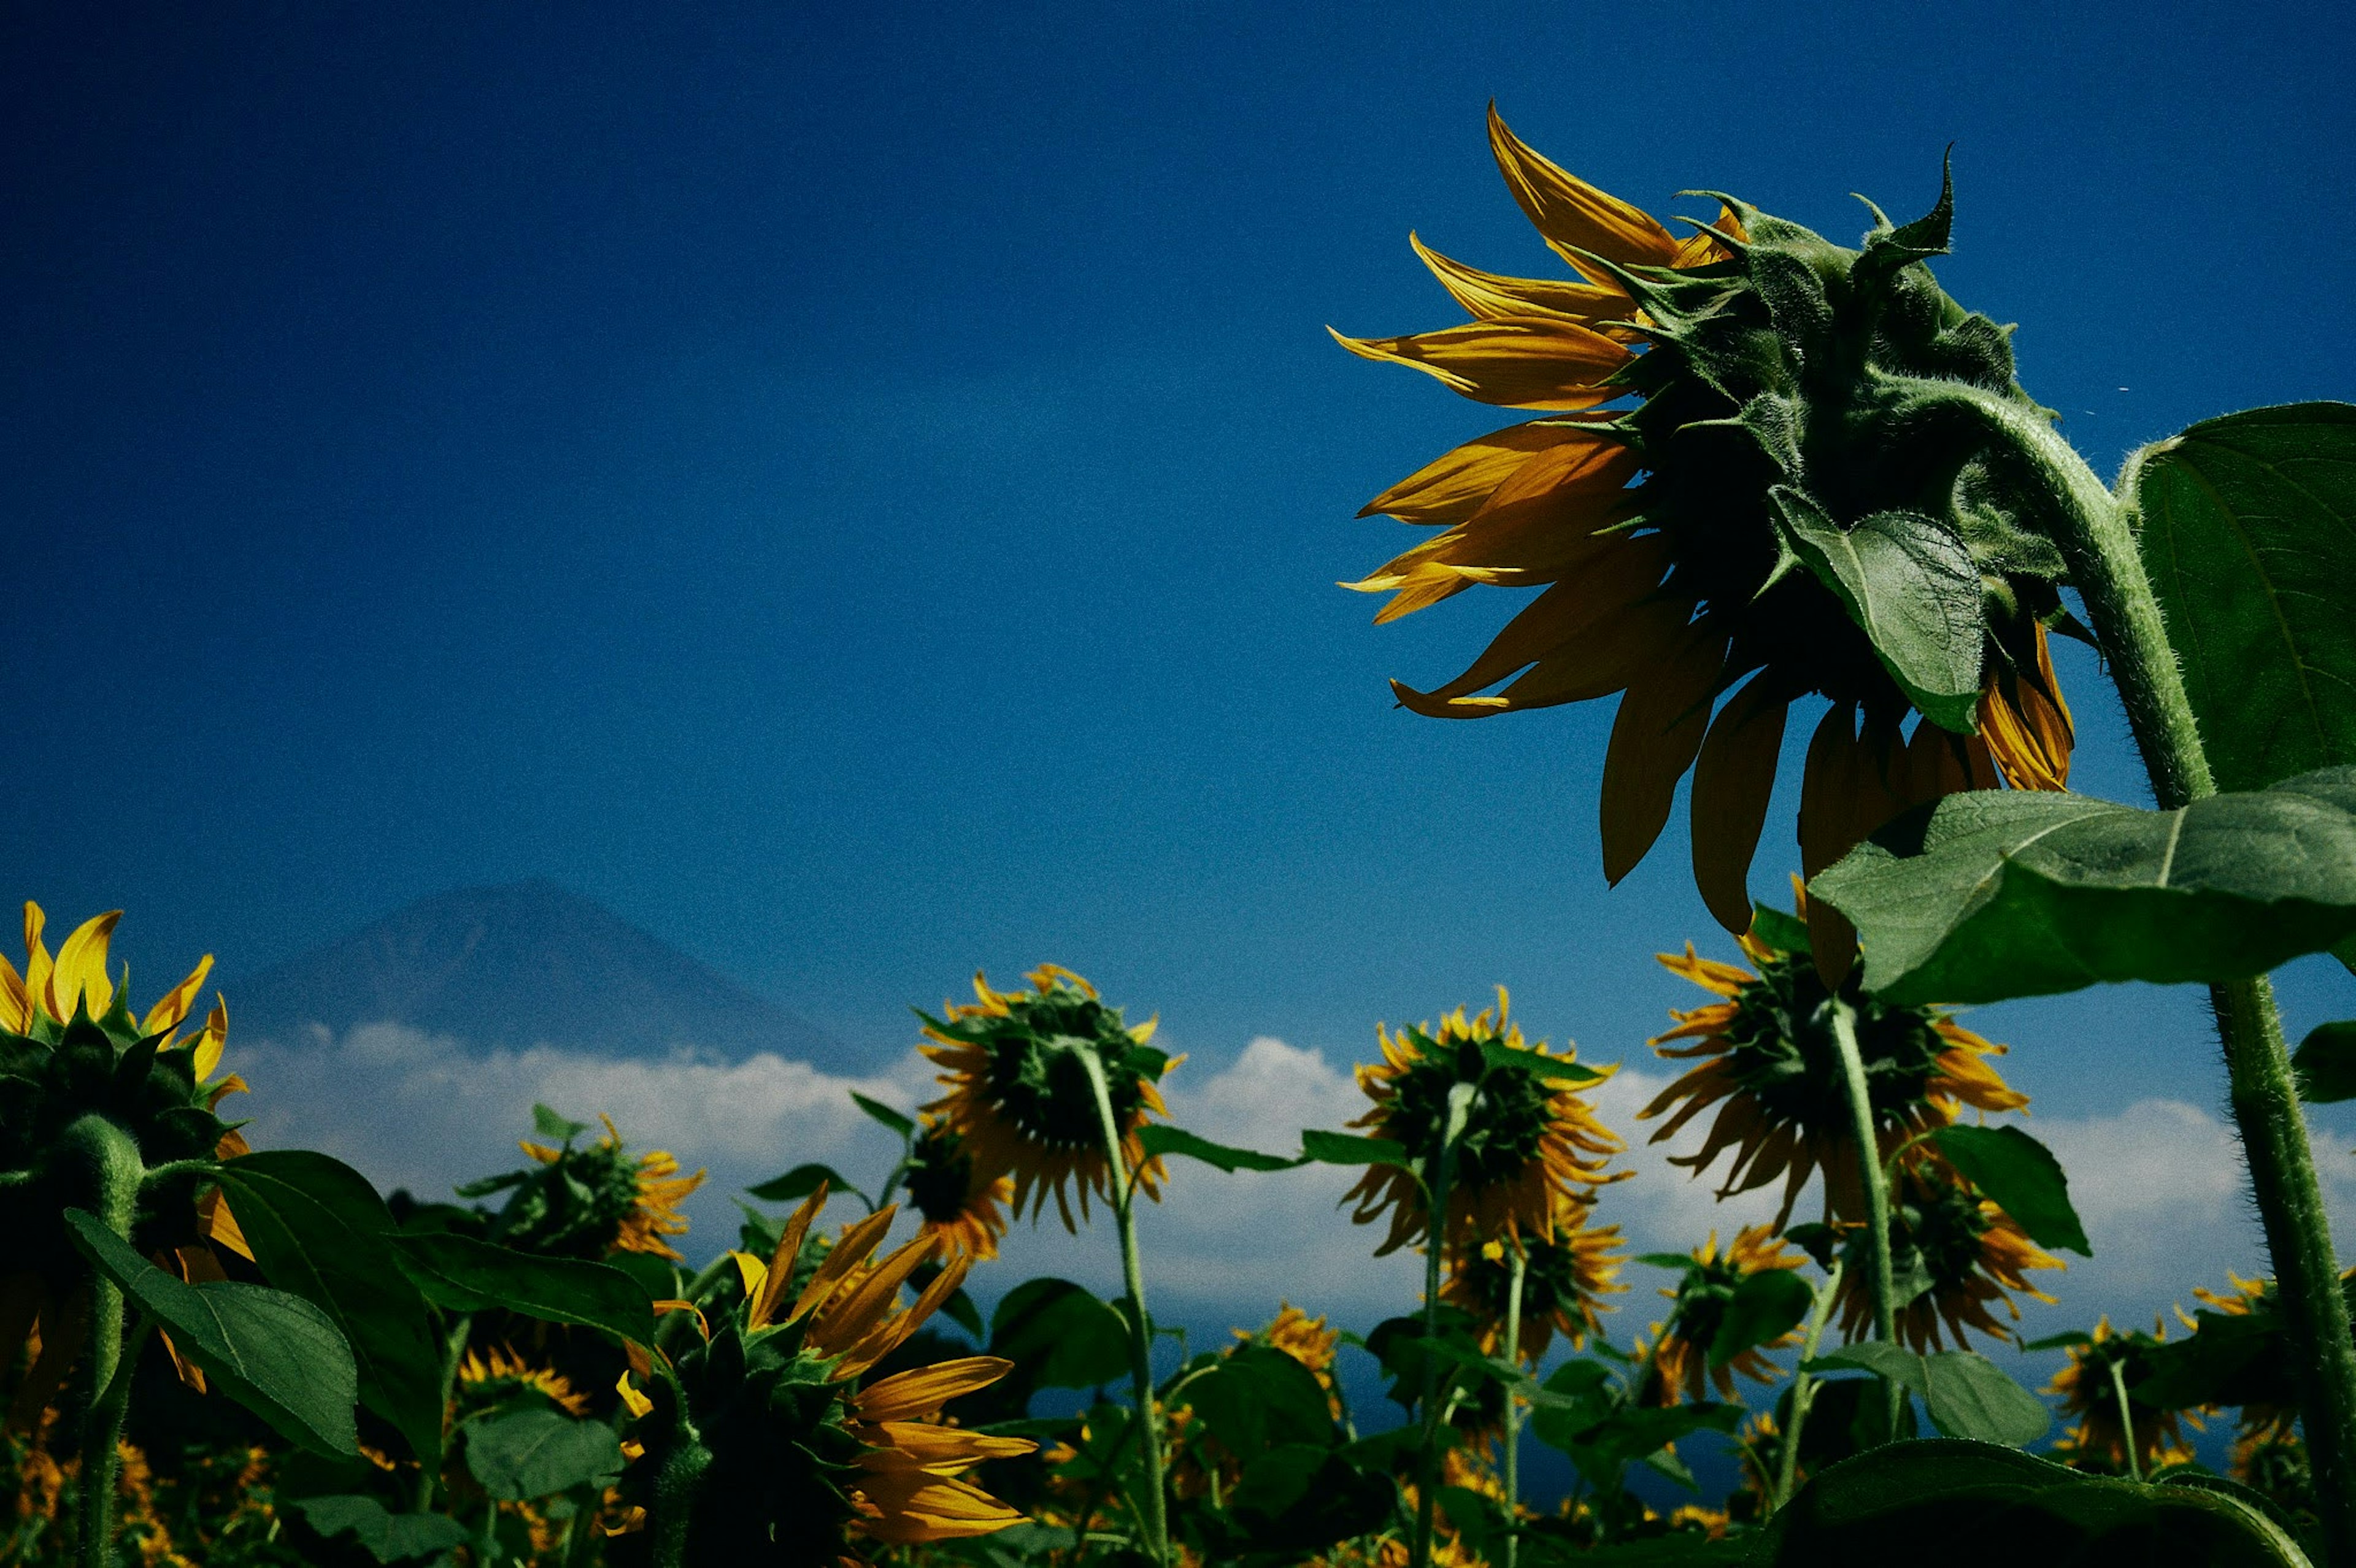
<point x="2249" y="537"/>
<point x="2023" y="1178"/>
<point x="1948" y="1503"/>
<point x="903" y="1124"/>
<point x="1883" y="1359"/>
<point x="1909" y="583"/>
<point x="1779" y="930"/>
<point x="468" y="1276"/>
<point x="1160" y="1139"/>
<point x="1256" y="1397"/>
<point x="274" y="1353"/>
<point x="529" y="1454"/>
<point x="1062" y="1336"/>
<point x="1967" y="1395"/>
<point x="1299" y="1497"/>
<point x="1343" y="1149"/>
<point x="1766" y="1305"/>
<point x="2326" y="1064"/>
<point x="2059" y="1342"/>
<point x="1555" y="1069"/>
<point x="386" y="1536"/>
<point x="1996" y="894"/>
<point x="319" y="1230"/>
<point x="548" y="1125"/>
<point x="799" y="1183"/>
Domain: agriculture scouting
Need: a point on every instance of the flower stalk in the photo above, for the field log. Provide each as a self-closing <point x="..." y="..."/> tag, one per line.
<point x="1803" y="1385"/>
<point x="1519" y="1265"/>
<point x="1147" y="1423"/>
<point x="104" y="1162"/>
<point x="1442" y="1166"/>
<point x="1877" y="1191"/>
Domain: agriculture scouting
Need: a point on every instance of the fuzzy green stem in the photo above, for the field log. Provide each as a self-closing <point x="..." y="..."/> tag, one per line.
<point x="98" y="1162"/>
<point x="1520" y="1265"/>
<point x="2096" y="536"/>
<point x="2126" y="1421"/>
<point x="1877" y="1191"/>
<point x="1435" y="1241"/>
<point x="1804" y="1387"/>
<point x="1140" y="1335"/>
<point x="453" y="1346"/>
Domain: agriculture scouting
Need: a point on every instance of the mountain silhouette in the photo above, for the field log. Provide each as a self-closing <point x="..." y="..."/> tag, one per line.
<point x="521" y="965"/>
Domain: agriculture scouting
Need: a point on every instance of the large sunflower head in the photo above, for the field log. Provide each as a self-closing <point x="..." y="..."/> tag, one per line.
<point x="959" y="1204"/>
<point x="1020" y="1097"/>
<point x="2090" y="1397"/>
<point x="784" y="1450"/>
<point x="1765" y="1054"/>
<point x="1564" y="1280"/>
<point x="1803" y="428"/>
<point x="494" y="1376"/>
<point x="1973" y="1254"/>
<point x="1530" y="1144"/>
<point x="589" y="1200"/>
<point x="1681" y="1361"/>
<point x="79" y="1070"/>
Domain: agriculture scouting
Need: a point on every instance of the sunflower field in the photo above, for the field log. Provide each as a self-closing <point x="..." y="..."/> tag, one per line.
<point x="1762" y="468"/>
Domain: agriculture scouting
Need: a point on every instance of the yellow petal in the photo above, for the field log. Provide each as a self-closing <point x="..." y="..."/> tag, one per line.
<point x="752" y="1272"/>
<point x="79" y="977"/>
<point x="1658" y="730"/>
<point x="848" y="1254"/>
<point x="15" y="1001"/>
<point x="1733" y="778"/>
<point x="1519" y="362"/>
<point x="1574" y="215"/>
<point x="925" y="1390"/>
<point x="37" y="963"/>
<point x="1491" y="296"/>
<point x="638" y="1404"/>
<point x="780" y="1269"/>
<point x="212" y="1042"/>
<point x="173" y="1006"/>
<point x="1452" y="487"/>
<point x="1624" y="573"/>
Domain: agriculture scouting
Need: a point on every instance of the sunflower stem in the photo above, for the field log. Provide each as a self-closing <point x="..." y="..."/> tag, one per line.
<point x="453" y="1346"/>
<point x="1520" y="1265"/>
<point x="100" y="1161"/>
<point x="2096" y="535"/>
<point x="1443" y="1167"/>
<point x="2126" y="1421"/>
<point x="1140" y="1335"/>
<point x="1877" y="1191"/>
<point x="1803" y="1386"/>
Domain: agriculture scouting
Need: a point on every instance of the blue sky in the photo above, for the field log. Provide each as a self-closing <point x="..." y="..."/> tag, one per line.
<point x="859" y="489"/>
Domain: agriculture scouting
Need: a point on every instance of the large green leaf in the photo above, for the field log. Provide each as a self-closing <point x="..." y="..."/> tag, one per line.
<point x="531" y="1453"/>
<point x="1909" y="583"/>
<point x="387" y="1536"/>
<point x="1300" y="1497"/>
<point x="1258" y="1396"/>
<point x="2023" y="1179"/>
<point x="274" y="1353"/>
<point x="1060" y="1335"/>
<point x="318" y="1229"/>
<point x="2326" y="1064"/>
<point x="1158" y="1138"/>
<point x="2249" y="535"/>
<point x="1967" y="1395"/>
<point x="1765" y="1306"/>
<point x="1348" y="1148"/>
<point x="1953" y="1504"/>
<point x="468" y="1276"/>
<point x="2022" y="893"/>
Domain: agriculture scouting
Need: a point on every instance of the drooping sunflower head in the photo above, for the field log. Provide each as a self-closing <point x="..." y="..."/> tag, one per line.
<point x="1806" y="431"/>
<point x="1975" y="1256"/>
<point x="1681" y="1355"/>
<point x="959" y="1204"/>
<point x="1765" y="1054"/>
<point x="1305" y="1338"/>
<point x="1530" y="1144"/>
<point x="1565" y="1278"/>
<point x="496" y="1375"/>
<point x="807" y="1462"/>
<point x="2089" y="1396"/>
<point x="589" y="1200"/>
<point x="1021" y="1097"/>
<point x="82" y="1070"/>
<point x="2264" y="1376"/>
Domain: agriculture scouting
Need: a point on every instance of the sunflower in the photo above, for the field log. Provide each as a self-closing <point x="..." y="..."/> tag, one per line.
<point x="2084" y="1385"/>
<point x="80" y="1066"/>
<point x="959" y="1205"/>
<point x="784" y="1451"/>
<point x="2275" y="1464"/>
<point x="1785" y="387"/>
<point x="1680" y="1353"/>
<point x="1564" y="1280"/>
<point x="489" y="1376"/>
<point x="2264" y="1379"/>
<point x="1530" y="1144"/>
<point x="1973" y="1252"/>
<point x="1020" y="1099"/>
<point x="1768" y="1053"/>
<point x="1197" y="1456"/>
<point x="594" y="1202"/>
<point x="1305" y="1338"/>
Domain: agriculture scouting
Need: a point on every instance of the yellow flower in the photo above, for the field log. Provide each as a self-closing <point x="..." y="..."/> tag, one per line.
<point x="1770" y="1062"/>
<point x="1975" y="1253"/>
<point x="637" y="1197"/>
<point x="959" y="1205"/>
<point x="489" y="1375"/>
<point x="806" y="1461"/>
<point x="1564" y="1280"/>
<point x="1020" y="1099"/>
<point x="2088" y="1396"/>
<point x="1530" y="1145"/>
<point x="1657" y="534"/>
<point x="1680" y="1356"/>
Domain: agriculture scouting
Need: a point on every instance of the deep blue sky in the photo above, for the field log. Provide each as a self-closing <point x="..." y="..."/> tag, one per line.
<point x="858" y="489"/>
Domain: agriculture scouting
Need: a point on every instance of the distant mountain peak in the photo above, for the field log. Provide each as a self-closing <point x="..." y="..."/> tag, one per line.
<point x="517" y="964"/>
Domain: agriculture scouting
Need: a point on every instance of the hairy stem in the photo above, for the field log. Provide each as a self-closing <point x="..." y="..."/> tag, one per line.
<point x="98" y="1163"/>
<point x="1804" y="1387"/>
<point x="1140" y="1335"/>
<point x="1877" y="1191"/>
<point x="1435" y="1242"/>
<point x="1519" y="1265"/>
<point x="2097" y="537"/>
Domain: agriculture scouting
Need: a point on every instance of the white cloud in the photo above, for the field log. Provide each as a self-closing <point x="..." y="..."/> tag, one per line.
<point x="2158" y="1183"/>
